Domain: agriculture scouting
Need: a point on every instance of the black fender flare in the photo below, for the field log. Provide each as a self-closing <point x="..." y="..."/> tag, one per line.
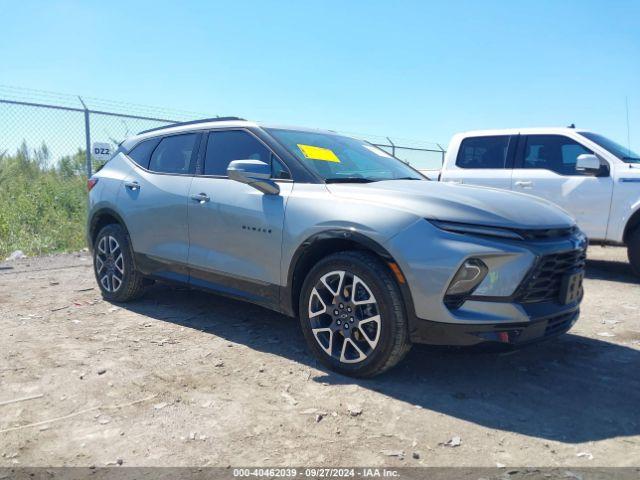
<point x="94" y="221"/>
<point x="288" y="298"/>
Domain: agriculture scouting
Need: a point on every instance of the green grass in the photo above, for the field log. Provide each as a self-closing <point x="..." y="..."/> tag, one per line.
<point x="42" y="208"/>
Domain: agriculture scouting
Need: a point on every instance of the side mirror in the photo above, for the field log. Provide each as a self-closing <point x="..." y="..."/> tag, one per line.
<point x="254" y="173"/>
<point x="588" y="163"/>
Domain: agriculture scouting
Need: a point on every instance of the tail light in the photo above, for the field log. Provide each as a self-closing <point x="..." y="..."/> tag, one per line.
<point x="91" y="183"/>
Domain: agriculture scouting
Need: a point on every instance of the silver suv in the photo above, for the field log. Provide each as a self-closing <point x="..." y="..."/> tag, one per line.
<point x="369" y="254"/>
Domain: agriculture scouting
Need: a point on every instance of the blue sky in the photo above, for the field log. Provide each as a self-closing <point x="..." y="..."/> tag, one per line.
<point x="422" y="70"/>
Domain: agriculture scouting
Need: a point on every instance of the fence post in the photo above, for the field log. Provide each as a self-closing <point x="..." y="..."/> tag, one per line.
<point x="393" y="147"/>
<point x="442" y="153"/>
<point x="87" y="135"/>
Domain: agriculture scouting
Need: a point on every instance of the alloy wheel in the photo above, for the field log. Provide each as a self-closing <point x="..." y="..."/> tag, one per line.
<point x="109" y="263"/>
<point x="344" y="316"/>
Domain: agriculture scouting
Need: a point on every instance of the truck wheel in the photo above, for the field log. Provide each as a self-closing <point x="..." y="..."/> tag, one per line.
<point x="352" y="314"/>
<point x="117" y="277"/>
<point x="633" y="251"/>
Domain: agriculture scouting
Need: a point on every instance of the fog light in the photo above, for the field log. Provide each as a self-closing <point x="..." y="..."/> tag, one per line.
<point x="468" y="277"/>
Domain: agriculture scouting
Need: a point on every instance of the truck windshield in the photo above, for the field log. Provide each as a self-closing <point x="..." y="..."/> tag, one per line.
<point x="340" y="159"/>
<point x="623" y="153"/>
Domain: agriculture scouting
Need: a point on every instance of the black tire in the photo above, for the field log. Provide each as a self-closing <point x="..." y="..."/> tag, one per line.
<point x="633" y="250"/>
<point x="132" y="282"/>
<point x="393" y="337"/>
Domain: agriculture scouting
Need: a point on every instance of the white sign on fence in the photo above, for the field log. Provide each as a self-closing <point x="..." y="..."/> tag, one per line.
<point x="101" y="151"/>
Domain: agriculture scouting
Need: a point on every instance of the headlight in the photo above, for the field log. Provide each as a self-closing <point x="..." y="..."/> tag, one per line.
<point x="468" y="277"/>
<point x="476" y="229"/>
<point x="470" y="274"/>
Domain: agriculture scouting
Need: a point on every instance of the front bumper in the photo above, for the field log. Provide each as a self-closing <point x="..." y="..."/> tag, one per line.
<point x="515" y="334"/>
<point x="514" y="306"/>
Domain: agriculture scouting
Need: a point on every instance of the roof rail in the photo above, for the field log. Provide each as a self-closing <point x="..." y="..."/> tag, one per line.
<point x="191" y="122"/>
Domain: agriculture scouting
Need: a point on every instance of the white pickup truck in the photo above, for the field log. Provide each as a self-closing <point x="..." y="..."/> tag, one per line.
<point x="593" y="178"/>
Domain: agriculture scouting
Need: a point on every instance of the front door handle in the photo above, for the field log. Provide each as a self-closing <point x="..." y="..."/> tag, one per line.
<point x="522" y="184"/>
<point x="133" y="186"/>
<point x="200" y="198"/>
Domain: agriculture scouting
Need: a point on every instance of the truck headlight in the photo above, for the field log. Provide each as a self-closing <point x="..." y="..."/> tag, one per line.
<point x="470" y="274"/>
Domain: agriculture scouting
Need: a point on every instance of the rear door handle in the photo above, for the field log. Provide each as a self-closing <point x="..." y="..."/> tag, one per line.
<point x="200" y="197"/>
<point x="522" y="184"/>
<point x="133" y="186"/>
<point x="455" y="181"/>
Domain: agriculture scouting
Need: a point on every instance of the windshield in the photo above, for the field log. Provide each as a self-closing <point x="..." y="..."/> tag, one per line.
<point x="343" y="159"/>
<point x="623" y="153"/>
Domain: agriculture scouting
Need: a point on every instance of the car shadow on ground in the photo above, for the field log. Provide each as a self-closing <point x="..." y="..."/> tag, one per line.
<point x="611" y="270"/>
<point x="572" y="389"/>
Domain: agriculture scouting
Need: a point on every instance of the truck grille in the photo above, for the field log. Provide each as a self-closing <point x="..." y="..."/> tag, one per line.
<point x="544" y="282"/>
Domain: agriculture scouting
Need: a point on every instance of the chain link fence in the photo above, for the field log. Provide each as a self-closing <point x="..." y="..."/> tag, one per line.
<point x="54" y="127"/>
<point x="66" y="126"/>
<point x="419" y="154"/>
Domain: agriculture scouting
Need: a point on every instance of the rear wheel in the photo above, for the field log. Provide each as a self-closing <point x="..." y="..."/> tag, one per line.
<point x="633" y="250"/>
<point x="113" y="265"/>
<point x="352" y="315"/>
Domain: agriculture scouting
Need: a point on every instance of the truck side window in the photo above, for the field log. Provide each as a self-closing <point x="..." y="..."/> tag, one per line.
<point x="483" y="152"/>
<point x="553" y="152"/>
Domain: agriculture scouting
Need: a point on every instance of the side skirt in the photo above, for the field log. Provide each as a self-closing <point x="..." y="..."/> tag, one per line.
<point x="264" y="294"/>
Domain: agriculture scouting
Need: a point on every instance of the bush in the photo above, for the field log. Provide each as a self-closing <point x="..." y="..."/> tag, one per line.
<point x="42" y="207"/>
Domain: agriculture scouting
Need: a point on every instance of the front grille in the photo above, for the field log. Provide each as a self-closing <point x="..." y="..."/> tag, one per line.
<point x="560" y="324"/>
<point x="544" y="282"/>
<point x="547" y="233"/>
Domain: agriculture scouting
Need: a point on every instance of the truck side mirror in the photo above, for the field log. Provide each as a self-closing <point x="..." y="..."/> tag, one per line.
<point x="254" y="173"/>
<point x="588" y="163"/>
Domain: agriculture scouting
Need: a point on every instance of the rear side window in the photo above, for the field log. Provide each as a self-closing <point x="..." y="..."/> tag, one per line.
<point x="483" y="152"/>
<point x="173" y="154"/>
<point x="225" y="146"/>
<point x="553" y="152"/>
<point x="141" y="153"/>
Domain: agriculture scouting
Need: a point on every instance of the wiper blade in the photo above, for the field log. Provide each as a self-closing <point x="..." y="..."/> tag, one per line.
<point x="349" y="180"/>
<point x="406" y="178"/>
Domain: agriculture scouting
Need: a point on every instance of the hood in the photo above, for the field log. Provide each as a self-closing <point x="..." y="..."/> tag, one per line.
<point x="459" y="203"/>
<point x="635" y="167"/>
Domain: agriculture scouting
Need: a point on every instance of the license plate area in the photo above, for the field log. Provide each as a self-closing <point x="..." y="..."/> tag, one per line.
<point x="571" y="287"/>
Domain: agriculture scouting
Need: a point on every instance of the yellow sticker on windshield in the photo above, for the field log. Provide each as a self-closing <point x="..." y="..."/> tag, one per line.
<point x="318" y="153"/>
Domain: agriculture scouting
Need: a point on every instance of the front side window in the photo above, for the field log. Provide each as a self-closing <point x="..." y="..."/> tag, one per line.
<point x="278" y="170"/>
<point x="225" y="146"/>
<point x="173" y="154"/>
<point x="553" y="152"/>
<point x="483" y="152"/>
<point x="337" y="158"/>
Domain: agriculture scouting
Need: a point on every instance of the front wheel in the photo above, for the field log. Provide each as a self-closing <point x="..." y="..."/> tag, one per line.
<point x="352" y="314"/>
<point x="633" y="251"/>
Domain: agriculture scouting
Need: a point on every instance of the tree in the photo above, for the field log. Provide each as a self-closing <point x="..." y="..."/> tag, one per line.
<point x="73" y="165"/>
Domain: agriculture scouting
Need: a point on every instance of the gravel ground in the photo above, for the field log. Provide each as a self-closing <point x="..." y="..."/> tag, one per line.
<point x="184" y="378"/>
